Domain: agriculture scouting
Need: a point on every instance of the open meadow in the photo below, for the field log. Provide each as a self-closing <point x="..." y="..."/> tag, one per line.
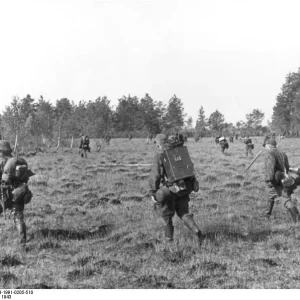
<point x="93" y="226"/>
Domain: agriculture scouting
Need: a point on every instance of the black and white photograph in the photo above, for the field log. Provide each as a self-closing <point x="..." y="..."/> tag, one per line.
<point x="149" y="146"/>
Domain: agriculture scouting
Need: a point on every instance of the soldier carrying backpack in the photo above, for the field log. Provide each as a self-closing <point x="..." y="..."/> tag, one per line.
<point x="84" y="145"/>
<point x="171" y="181"/>
<point x="15" y="176"/>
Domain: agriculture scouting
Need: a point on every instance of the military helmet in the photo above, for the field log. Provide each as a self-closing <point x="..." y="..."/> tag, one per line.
<point x="5" y="148"/>
<point x="171" y="142"/>
<point x="270" y="142"/>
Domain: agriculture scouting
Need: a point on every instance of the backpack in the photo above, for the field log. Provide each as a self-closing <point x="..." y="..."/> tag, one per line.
<point x="16" y="169"/>
<point x="179" y="170"/>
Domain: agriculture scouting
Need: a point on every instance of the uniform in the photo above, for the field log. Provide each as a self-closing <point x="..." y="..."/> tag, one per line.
<point x="276" y="169"/>
<point x="249" y="145"/>
<point x="84" y="145"/>
<point x="231" y="139"/>
<point x="170" y="201"/>
<point x="223" y="144"/>
<point x="16" y="175"/>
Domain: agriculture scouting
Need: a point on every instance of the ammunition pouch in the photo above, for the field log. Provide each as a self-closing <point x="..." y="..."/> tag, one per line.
<point x="288" y="182"/>
<point x="163" y="195"/>
<point x="20" y="192"/>
<point x="196" y="185"/>
<point x="278" y="177"/>
<point x="27" y="197"/>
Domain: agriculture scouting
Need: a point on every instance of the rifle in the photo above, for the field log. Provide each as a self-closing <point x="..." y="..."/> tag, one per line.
<point x="3" y="191"/>
<point x="253" y="160"/>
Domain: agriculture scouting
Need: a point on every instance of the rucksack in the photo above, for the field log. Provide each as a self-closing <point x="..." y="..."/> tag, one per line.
<point x="16" y="168"/>
<point x="179" y="170"/>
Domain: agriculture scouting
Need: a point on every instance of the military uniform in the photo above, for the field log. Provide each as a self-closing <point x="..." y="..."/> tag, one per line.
<point x="84" y="145"/>
<point x="249" y="145"/>
<point x="223" y="144"/>
<point x="276" y="169"/>
<point x="231" y="139"/>
<point x="15" y="174"/>
<point x="170" y="201"/>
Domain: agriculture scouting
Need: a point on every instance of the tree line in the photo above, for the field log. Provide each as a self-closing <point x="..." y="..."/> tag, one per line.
<point x="36" y="119"/>
<point x="286" y="112"/>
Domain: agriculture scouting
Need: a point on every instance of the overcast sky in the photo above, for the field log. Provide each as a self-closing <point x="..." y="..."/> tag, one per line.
<point x="228" y="55"/>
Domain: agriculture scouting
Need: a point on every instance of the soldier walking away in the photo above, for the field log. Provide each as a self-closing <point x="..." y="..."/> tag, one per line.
<point x="15" y="176"/>
<point x="223" y="144"/>
<point x="149" y="138"/>
<point x="107" y="139"/>
<point x="217" y="139"/>
<point x="279" y="183"/>
<point x="84" y="145"/>
<point x="249" y="145"/>
<point x="231" y="139"/>
<point x="129" y="137"/>
<point x="170" y="196"/>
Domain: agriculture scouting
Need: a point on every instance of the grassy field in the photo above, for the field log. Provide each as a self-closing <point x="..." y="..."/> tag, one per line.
<point x="92" y="226"/>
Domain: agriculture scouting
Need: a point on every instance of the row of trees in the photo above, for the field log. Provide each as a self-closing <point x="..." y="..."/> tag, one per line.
<point x="286" y="112"/>
<point x="215" y="124"/>
<point x="34" y="119"/>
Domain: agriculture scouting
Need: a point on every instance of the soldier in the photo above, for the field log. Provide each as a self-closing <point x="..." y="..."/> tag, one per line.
<point x="279" y="184"/>
<point x="15" y="176"/>
<point x="84" y="145"/>
<point x="170" y="198"/>
<point x="223" y="144"/>
<point x="149" y="138"/>
<point x="249" y="145"/>
<point x="107" y="139"/>
<point x="217" y="139"/>
<point x="231" y="139"/>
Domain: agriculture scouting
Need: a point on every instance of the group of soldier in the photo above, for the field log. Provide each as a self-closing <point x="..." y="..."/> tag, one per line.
<point x="173" y="197"/>
<point x="170" y="197"/>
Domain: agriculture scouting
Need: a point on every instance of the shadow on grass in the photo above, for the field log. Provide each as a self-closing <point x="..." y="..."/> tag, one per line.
<point x="229" y="233"/>
<point x="64" y="234"/>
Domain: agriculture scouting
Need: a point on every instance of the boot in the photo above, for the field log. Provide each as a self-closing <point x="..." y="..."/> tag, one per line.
<point x="294" y="213"/>
<point x="190" y="223"/>
<point x="169" y="232"/>
<point x="270" y="208"/>
<point x="21" y="228"/>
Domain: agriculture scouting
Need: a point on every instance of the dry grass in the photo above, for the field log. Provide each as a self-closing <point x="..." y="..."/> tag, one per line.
<point x="91" y="226"/>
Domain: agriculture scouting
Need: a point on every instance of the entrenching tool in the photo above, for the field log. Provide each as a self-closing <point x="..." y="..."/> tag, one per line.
<point x="254" y="159"/>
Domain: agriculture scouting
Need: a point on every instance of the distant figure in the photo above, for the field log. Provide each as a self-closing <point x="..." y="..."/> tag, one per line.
<point x="149" y="138"/>
<point x="223" y="144"/>
<point x="217" y="139"/>
<point x="249" y="145"/>
<point x="84" y="146"/>
<point x="129" y="137"/>
<point x="107" y="139"/>
<point x="236" y="136"/>
<point x="231" y="139"/>
<point x="197" y="138"/>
